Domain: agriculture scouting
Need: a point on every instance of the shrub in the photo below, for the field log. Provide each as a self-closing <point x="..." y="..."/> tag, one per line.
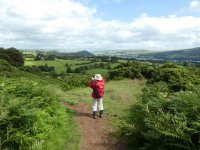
<point x="28" y="115"/>
<point x="164" y="121"/>
<point x="75" y="81"/>
<point x="13" y="56"/>
<point x="5" y="66"/>
<point x="177" y="77"/>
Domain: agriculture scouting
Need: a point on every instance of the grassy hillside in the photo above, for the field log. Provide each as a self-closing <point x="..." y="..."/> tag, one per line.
<point x="185" y="54"/>
<point x="31" y="114"/>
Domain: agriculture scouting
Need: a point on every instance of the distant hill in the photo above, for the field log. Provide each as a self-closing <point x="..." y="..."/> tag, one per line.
<point x="33" y="53"/>
<point x="122" y="53"/>
<point x="81" y="54"/>
<point x="192" y="54"/>
<point x="75" y="54"/>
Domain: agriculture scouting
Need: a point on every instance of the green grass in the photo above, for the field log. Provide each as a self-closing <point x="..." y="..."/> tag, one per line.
<point x="29" y="59"/>
<point x="74" y="96"/>
<point x="115" y="64"/>
<point x="71" y="62"/>
<point x="59" y="65"/>
<point x="118" y="98"/>
<point x="67" y="137"/>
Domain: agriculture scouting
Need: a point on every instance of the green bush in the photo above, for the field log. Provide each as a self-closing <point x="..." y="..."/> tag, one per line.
<point x="75" y="81"/>
<point x="5" y="66"/>
<point x="28" y="115"/>
<point x="162" y="120"/>
<point x="13" y="56"/>
<point x="133" y="70"/>
<point x="177" y="77"/>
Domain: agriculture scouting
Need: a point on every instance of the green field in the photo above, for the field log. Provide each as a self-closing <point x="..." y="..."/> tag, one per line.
<point x="59" y="64"/>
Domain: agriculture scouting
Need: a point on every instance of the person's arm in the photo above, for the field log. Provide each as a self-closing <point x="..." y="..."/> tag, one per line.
<point x="92" y="84"/>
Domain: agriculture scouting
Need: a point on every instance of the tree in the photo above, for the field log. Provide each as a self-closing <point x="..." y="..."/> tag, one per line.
<point x="40" y="56"/>
<point x="13" y="56"/>
<point x="66" y="64"/>
<point x="114" y="59"/>
<point x="50" y="57"/>
<point x="69" y="70"/>
<point x="16" y="56"/>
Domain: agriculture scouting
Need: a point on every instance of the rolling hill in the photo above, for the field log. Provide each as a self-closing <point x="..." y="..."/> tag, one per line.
<point x="192" y="54"/>
<point x="55" y="53"/>
<point x="80" y="54"/>
<point x="122" y="53"/>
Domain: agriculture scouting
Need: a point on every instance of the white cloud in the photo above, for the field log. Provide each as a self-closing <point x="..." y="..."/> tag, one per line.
<point x="112" y="1"/>
<point x="194" y="4"/>
<point x="69" y="25"/>
<point x="168" y="32"/>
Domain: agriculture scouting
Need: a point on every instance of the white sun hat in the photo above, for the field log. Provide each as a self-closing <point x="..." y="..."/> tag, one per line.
<point x="97" y="77"/>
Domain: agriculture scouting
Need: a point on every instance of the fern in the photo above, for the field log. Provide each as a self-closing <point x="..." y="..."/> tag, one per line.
<point x="168" y="122"/>
<point x="28" y="114"/>
<point x="37" y="145"/>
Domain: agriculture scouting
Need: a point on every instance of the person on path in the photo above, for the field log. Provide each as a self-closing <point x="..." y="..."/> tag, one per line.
<point x="97" y="84"/>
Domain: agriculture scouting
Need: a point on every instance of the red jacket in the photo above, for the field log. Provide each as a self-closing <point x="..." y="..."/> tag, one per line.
<point x="98" y="88"/>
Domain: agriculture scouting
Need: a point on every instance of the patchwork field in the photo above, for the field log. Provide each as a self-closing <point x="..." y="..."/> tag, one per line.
<point x="59" y="64"/>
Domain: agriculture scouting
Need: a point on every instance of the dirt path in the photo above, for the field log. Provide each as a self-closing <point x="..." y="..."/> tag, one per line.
<point x="94" y="131"/>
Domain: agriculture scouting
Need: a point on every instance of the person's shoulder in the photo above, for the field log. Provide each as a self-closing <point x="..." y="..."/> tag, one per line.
<point x="101" y="81"/>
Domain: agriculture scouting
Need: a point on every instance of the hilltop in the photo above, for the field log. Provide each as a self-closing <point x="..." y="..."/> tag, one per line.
<point x="83" y="53"/>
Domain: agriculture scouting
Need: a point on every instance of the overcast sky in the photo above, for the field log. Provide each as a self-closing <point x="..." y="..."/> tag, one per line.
<point x="72" y="25"/>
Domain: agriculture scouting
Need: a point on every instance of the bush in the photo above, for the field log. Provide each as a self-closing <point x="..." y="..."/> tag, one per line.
<point x="177" y="77"/>
<point x="5" y="66"/>
<point x="13" y="56"/>
<point x="75" y="81"/>
<point x="133" y="70"/>
<point x="28" y="115"/>
<point x="164" y="121"/>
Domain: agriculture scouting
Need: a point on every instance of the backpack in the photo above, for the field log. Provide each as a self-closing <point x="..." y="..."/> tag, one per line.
<point x="96" y="93"/>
